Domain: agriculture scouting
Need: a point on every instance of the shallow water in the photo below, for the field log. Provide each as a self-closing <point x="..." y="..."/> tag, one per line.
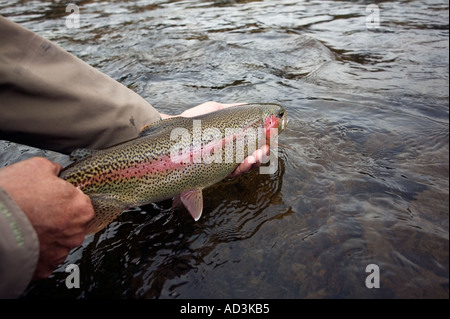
<point x="363" y="178"/>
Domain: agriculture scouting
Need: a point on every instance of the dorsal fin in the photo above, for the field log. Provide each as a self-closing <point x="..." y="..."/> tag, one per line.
<point x="81" y="153"/>
<point x="155" y="127"/>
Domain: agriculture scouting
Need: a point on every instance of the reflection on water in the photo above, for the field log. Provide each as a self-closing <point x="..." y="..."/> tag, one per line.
<point x="364" y="175"/>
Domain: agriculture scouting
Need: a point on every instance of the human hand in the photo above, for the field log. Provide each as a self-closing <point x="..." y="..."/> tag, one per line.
<point x="249" y="162"/>
<point x="58" y="211"/>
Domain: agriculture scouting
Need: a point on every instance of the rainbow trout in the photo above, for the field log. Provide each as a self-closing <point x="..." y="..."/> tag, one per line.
<point x="176" y="156"/>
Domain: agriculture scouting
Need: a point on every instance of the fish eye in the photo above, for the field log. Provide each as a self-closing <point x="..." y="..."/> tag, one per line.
<point x="281" y="114"/>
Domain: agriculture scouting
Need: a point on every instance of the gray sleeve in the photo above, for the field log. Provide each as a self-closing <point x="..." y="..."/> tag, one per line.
<point x="19" y="248"/>
<point x="50" y="99"/>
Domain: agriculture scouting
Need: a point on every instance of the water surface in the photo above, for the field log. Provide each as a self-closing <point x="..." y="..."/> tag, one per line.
<point x="364" y="175"/>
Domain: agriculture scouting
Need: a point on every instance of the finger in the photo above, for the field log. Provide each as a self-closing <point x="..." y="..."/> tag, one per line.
<point x="80" y="209"/>
<point x="86" y="209"/>
<point x="76" y="213"/>
<point x="247" y="164"/>
<point x="257" y="155"/>
<point x="249" y="160"/>
<point x="49" y="261"/>
<point x="235" y="173"/>
<point x="265" y="149"/>
<point x="261" y="155"/>
<point x="255" y="160"/>
<point x="57" y="168"/>
<point x="72" y="241"/>
<point x="43" y="271"/>
<point x="243" y="167"/>
<point x="43" y="163"/>
<point x="60" y="259"/>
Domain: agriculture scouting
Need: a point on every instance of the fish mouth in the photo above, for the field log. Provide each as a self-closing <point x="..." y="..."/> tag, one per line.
<point x="284" y="122"/>
<point x="282" y="115"/>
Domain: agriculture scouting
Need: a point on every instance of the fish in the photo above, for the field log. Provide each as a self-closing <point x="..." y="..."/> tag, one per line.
<point x="176" y="158"/>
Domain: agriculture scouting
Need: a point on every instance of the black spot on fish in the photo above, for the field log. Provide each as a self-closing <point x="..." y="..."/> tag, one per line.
<point x="132" y="122"/>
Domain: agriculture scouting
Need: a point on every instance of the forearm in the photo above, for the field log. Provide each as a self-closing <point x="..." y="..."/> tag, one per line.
<point x="51" y="99"/>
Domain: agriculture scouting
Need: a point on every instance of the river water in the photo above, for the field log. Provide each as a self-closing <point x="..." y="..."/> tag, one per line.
<point x="362" y="174"/>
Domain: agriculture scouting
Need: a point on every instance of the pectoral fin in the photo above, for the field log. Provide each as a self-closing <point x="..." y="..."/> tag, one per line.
<point x="106" y="210"/>
<point x="193" y="201"/>
<point x="146" y="129"/>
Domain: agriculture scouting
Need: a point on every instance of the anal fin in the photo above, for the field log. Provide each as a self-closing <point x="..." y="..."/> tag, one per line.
<point x="193" y="201"/>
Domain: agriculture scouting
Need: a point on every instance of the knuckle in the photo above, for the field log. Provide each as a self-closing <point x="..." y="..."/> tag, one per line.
<point x="87" y="210"/>
<point x="39" y="160"/>
<point x="71" y="241"/>
<point x="82" y="206"/>
<point x="42" y="162"/>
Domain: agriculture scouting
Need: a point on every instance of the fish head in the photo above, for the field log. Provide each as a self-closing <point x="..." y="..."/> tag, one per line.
<point x="274" y="117"/>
